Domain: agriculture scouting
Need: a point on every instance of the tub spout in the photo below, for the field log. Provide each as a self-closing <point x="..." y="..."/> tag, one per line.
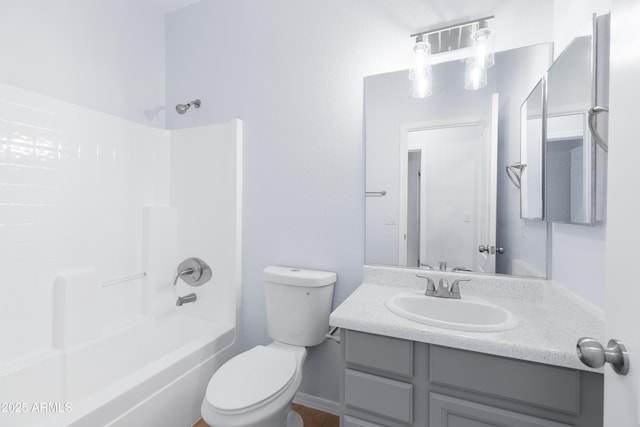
<point x="186" y="299"/>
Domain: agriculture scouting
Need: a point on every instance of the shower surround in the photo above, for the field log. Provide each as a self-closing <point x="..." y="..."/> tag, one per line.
<point x="96" y="212"/>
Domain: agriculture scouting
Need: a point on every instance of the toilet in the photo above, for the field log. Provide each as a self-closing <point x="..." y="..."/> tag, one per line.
<point x="256" y="388"/>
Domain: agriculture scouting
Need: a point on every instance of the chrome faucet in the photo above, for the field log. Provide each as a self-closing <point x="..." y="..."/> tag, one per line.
<point x="443" y="290"/>
<point x="186" y="299"/>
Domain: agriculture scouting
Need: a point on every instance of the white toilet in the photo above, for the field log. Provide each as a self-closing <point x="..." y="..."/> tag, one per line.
<point x="256" y="388"/>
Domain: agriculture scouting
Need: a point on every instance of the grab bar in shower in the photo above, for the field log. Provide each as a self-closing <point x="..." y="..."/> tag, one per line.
<point x="375" y="193"/>
<point x="108" y="283"/>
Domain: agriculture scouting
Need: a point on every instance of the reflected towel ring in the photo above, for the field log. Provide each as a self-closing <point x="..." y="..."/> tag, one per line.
<point x="593" y="113"/>
<point x="514" y="172"/>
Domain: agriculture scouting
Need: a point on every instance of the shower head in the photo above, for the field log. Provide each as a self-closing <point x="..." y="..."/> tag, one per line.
<point x="182" y="108"/>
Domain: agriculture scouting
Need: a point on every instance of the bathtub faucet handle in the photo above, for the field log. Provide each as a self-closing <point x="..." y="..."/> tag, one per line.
<point x="180" y="273"/>
<point x="193" y="271"/>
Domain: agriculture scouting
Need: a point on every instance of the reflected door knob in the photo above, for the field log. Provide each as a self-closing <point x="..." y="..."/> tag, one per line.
<point x="490" y="249"/>
<point x="592" y="354"/>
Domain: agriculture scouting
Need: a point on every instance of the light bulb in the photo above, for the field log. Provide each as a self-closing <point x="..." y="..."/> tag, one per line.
<point x="421" y="71"/>
<point x="422" y="85"/>
<point x="482" y="47"/>
<point x="475" y="75"/>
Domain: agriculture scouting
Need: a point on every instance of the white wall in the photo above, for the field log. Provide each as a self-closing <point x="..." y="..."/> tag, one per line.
<point x="573" y="18"/>
<point x="72" y="185"/>
<point x="108" y="55"/>
<point x="206" y="190"/>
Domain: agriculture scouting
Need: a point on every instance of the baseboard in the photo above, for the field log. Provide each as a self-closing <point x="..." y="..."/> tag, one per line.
<point x="318" y="403"/>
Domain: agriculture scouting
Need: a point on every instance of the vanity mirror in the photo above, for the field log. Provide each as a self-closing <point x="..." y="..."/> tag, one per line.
<point x="438" y="195"/>
<point x="562" y="150"/>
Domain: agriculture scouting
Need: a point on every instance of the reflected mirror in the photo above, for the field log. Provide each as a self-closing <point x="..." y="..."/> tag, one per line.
<point x="438" y="196"/>
<point x="531" y="154"/>
<point x="569" y="149"/>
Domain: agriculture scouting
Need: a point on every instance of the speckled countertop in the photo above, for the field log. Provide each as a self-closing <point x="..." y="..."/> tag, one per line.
<point x="551" y="319"/>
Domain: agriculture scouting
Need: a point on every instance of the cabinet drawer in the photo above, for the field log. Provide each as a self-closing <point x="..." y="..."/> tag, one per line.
<point x="532" y="383"/>
<point x="378" y="395"/>
<point x="354" y="422"/>
<point x="385" y="354"/>
<point x="445" y="411"/>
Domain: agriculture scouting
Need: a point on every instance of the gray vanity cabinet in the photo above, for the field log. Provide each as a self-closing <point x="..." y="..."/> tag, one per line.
<point x="390" y="382"/>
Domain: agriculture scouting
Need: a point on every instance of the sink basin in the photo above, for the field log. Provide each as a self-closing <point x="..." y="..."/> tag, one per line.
<point x="465" y="314"/>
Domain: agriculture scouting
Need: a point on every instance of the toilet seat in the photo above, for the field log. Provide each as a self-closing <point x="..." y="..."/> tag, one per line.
<point x="251" y="379"/>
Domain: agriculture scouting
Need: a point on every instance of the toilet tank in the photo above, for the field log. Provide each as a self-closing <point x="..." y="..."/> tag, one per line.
<point x="298" y="304"/>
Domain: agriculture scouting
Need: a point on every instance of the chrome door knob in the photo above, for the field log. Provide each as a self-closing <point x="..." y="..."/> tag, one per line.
<point x="592" y="354"/>
<point x="500" y="250"/>
<point x="483" y="248"/>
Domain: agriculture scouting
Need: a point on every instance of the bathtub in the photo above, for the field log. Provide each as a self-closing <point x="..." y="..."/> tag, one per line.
<point x="151" y="373"/>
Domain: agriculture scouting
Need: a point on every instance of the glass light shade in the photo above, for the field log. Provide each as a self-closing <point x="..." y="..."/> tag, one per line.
<point x="420" y="73"/>
<point x="422" y="85"/>
<point x="482" y="48"/>
<point x="475" y="75"/>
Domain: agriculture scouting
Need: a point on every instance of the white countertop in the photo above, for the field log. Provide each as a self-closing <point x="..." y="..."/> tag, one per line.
<point x="551" y="319"/>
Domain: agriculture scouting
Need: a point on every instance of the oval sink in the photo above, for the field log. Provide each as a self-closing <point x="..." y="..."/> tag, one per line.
<point x="466" y="314"/>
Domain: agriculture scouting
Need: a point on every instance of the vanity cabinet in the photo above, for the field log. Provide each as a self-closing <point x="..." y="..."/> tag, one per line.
<point x="390" y="382"/>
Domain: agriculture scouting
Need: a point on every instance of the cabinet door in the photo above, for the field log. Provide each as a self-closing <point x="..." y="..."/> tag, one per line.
<point x="378" y="395"/>
<point x="445" y="411"/>
<point x="385" y="354"/>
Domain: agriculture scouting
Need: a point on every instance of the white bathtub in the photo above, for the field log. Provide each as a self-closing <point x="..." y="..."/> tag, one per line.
<point x="153" y="373"/>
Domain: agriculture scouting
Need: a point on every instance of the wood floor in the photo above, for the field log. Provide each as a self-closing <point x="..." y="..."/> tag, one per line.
<point x="311" y="417"/>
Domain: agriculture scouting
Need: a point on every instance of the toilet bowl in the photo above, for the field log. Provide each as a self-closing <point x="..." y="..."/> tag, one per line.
<point x="256" y="388"/>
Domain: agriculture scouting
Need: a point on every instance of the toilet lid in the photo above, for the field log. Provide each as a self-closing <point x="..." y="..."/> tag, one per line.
<point x="250" y="378"/>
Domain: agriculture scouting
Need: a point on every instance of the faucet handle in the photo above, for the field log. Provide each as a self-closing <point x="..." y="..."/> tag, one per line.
<point x="431" y="286"/>
<point x="455" y="288"/>
<point x="193" y="271"/>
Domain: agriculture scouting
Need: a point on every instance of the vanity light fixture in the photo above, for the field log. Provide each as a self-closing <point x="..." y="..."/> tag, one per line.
<point x="471" y="41"/>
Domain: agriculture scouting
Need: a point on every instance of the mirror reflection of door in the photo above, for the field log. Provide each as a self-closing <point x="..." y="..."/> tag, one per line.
<point x="449" y="204"/>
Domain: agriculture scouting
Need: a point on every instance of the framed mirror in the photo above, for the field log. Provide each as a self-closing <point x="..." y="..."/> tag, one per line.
<point x="438" y="196"/>
<point x="532" y="154"/>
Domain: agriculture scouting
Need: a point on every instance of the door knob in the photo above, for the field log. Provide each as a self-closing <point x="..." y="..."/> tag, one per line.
<point x="483" y="248"/>
<point x="500" y="250"/>
<point x="592" y="354"/>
